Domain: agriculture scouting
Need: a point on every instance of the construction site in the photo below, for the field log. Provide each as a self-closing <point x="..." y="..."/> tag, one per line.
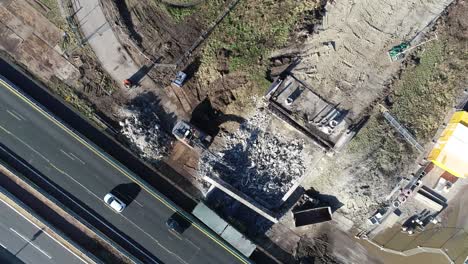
<point x="321" y="135"/>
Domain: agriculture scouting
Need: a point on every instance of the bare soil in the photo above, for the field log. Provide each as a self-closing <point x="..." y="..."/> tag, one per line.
<point x="232" y="66"/>
<point x="354" y="71"/>
<point x="428" y="85"/>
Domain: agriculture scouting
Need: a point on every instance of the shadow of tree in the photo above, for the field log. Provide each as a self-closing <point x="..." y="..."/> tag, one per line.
<point x="192" y="68"/>
<point x="141" y="73"/>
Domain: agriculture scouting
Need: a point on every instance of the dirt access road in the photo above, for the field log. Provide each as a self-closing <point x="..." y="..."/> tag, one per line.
<point x="113" y="57"/>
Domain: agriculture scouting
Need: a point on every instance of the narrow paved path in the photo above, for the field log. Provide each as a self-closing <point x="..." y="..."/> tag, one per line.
<point x="110" y="53"/>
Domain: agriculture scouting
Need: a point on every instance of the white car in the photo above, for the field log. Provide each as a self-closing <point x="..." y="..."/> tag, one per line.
<point x="114" y="202"/>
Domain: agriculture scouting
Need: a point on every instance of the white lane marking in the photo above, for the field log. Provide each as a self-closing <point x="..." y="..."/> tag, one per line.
<point x="175" y="234"/>
<point x="3" y="246"/>
<point x="30" y="242"/>
<point x="138" y="203"/>
<point x="131" y="222"/>
<point x="81" y="207"/>
<point x="72" y="156"/>
<point x="99" y="198"/>
<point x="51" y="237"/>
<point x="66" y="154"/>
<point x="77" y="158"/>
<point x="24" y="143"/>
<point x="77" y="182"/>
<point x="48" y="161"/>
<point x="15" y="116"/>
<point x="155" y="240"/>
<point x="18" y="114"/>
<point x="92" y="147"/>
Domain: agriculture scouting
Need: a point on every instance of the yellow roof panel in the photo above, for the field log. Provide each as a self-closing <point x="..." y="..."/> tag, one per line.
<point x="451" y="151"/>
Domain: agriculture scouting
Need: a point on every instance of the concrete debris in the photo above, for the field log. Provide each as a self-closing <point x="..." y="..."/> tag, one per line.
<point x="141" y="128"/>
<point x="260" y="163"/>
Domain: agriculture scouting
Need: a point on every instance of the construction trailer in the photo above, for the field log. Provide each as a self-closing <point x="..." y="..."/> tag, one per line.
<point x="224" y="229"/>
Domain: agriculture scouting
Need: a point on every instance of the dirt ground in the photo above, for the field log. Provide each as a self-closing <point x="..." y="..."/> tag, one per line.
<point x="345" y="61"/>
<point x="428" y="85"/>
<point x="34" y="41"/>
<point x="353" y="70"/>
<point x="234" y="66"/>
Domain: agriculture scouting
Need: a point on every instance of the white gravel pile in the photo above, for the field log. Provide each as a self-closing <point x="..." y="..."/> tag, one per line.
<point x="263" y="165"/>
<point x="142" y="130"/>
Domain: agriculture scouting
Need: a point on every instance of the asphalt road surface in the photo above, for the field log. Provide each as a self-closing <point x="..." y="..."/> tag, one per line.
<point x="87" y="174"/>
<point x="23" y="242"/>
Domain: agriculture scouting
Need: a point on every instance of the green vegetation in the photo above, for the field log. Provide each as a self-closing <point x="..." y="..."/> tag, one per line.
<point x="423" y="96"/>
<point x="52" y="12"/>
<point x="382" y="145"/>
<point x="180" y="13"/>
<point x="250" y="32"/>
<point x="426" y="91"/>
<point x="71" y="96"/>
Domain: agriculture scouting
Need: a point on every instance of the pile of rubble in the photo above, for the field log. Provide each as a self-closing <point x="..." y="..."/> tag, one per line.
<point x="262" y="165"/>
<point x="141" y="128"/>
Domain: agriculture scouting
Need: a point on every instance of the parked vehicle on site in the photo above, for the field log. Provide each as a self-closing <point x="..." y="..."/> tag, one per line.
<point x="191" y="136"/>
<point x="180" y="79"/>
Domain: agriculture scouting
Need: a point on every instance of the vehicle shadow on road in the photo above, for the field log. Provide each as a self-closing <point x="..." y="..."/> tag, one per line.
<point x="126" y="192"/>
<point x="70" y="202"/>
<point x="7" y="257"/>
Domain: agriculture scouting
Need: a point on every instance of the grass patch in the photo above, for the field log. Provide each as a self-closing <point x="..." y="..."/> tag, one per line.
<point x="428" y="90"/>
<point x="379" y="142"/>
<point x="250" y="32"/>
<point x="53" y="14"/>
<point x="422" y="97"/>
<point x="180" y="13"/>
<point x="70" y="96"/>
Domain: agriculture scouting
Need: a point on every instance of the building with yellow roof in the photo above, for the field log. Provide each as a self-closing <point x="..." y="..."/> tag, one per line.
<point x="451" y="150"/>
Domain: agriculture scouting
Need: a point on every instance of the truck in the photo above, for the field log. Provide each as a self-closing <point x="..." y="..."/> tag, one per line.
<point x="191" y="136"/>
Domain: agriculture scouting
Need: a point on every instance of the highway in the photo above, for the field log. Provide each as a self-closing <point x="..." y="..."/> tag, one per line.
<point x="83" y="172"/>
<point x="23" y="242"/>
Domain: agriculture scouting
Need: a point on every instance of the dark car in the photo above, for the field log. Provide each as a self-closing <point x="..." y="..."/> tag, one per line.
<point x="174" y="225"/>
